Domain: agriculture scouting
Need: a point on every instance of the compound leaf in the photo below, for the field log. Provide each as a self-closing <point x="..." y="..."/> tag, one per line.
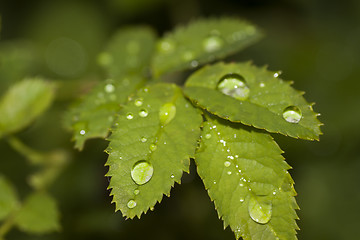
<point x="128" y="52"/>
<point x="23" y="103"/>
<point x="8" y="198"/>
<point x="247" y="179"/>
<point x="93" y="116"/>
<point x="39" y="214"/>
<point x="241" y="92"/>
<point x="156" y="133"/>
<point x="202" y="41"/>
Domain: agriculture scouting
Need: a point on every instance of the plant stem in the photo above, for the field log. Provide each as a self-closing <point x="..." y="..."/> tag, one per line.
<point x="33" y="156"/>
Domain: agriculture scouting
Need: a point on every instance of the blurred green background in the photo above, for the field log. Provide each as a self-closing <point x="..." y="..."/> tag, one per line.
<point x="314" y="43"/>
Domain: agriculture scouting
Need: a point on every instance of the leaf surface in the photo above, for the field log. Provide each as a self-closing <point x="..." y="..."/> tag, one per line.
<point x="8" y="198"/>
<point x="156" y="133"/>
<point x="261" y="101"/>
<point x="128" y="52"/>
<point x="202" y="41"/>
<point x="247" y="179"/>
<point x="23" y="103"/>
<point x="39" y="214"/>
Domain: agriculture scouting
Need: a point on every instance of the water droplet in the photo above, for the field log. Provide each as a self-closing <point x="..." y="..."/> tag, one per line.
<point x="194" y="63"/>
<point x="260" y="210"/>
<point x="172" y="176"/>
<point x="136" y="191"/>
<point x="188" y="56"/>
<point x="131" y="204"/>
<point x="153" y="147"/>
<point x="143" y="113"/>
<point x="166" y="46"/>
<point x="241" y="184"/>
<point x="129" y="116"/>
<point x="234" y="85"/>
<point x="167" y="113"/>
<point x="142" y="172"/>
<point x="214" y="182"/>
<point x="229" y="173"/>
<point x="109" y="88"/>
<point x="82" y="132"/>
<point x="292" y="114"/>
<point x="242" y="200"/>
<point x="213" y="43"/>
<point x="227" y="164"/>
<point x="208" y="136"/>
<point x="143" y="139"/>
<point x="262" y="85"/>
<point x="138" y="102"/>
<point x="277" y="74"/>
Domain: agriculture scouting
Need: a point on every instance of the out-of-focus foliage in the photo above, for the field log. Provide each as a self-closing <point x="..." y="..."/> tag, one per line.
<point x="315" y="43"/>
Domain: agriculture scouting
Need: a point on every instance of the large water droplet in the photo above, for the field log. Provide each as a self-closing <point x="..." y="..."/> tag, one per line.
<point x="131" y="204"/>
<point x="138" y="102"/>
<point x="213" y="43"/>
<point x="260" y="210"/>
<point x="208" y="136"/>
<point x="142" y="172"/>
<point x="234" y="85"/>
<point x="143" y="113"/>
<point x="292" y="114"/>
<point x="167" y="113"/>
<point x="129" y="116"/>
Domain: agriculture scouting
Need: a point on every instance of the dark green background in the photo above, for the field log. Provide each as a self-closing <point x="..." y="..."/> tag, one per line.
<point x="314" y="43"/>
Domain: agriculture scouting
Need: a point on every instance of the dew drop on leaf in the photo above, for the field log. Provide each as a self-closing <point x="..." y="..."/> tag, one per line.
<point x="227" y="164"/>
<point x="143" y="139"/>
<point x="82" y="132"/>
<point x="153" y="147"/>
<point x="131" y="204"/>
<point x="234" y="85"/>
<point x="213" y="43"/>
<point x="166" y="46"/>
<point x="260" y="211"/>
<point x="208" y="136"/>
<point x="138" y="102"/>
<point x="136" y="191"/>
<point x="292" y="114"/>
<point x="129" y="116"/>
<point x="142" y="172"/>
<point x="143" y="113"/>
<point x="109" y="88"/>
<point x="167" y="113"/>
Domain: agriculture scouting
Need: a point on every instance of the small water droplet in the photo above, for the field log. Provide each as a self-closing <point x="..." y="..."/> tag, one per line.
<point x="260" y="210"/>
<point x="153" y="147"/>
<point x="188" y="56"/>
<point x="274" y="192"/>
<point x="166" y="46"/>
<point x="138" y="102"/>
<point x="277" y="74"/>
<point x="167" y="113"/>
<point x="227" y="164"/>
<point x="208" y="136"/>
<point x="142" y="172"/>
<point x="172" y="176"/>
<point x="143" y="139"/>
<point x="229" y="173"/>
<point x="131" y="204"/>
<point x="242" y="200"/>
<point x="109" y="88"/>
<point x="213" y="43"/>
<point x="292" y="114"/>
<point x="129" y="116"/>
<point x="82" y="132"/>
<point x="214" y="182"/>
<point x="262" y="85"/>
<point x="143" y="113"/>
<point x="241" y="184"/>
<point x="136" y="191"/>
<point x="194" y="63"/>
<point x="234" y="85"/>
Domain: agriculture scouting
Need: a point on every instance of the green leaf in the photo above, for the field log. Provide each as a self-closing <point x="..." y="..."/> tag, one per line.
<point x="23" y="103"/>
<point x="156" y="134"/>
<point x="93" y="116"/>
<point x="241" y="92"/>
<point x="39" y="214"/>
<point x="8" y="198"/>
<point x="202" y="41"/>
<point x="247" y="179"/>
<point x="128" y="52"/>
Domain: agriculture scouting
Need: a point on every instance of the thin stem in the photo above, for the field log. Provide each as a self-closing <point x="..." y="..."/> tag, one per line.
<point x="7" y="225"/>
<point x="32" y="155"/>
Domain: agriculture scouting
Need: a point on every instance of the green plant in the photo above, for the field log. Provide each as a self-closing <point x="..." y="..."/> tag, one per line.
<point x="220" y="118"/>
<point x="157" y="118"/>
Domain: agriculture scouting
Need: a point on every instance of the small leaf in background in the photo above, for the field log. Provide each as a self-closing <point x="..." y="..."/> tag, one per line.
<point x="156" y="133"/>
<point x="39" y="214"/>
<point x="93" y="116"/>
<point x="241" y="92"/>
<point x="128" y="52"/>
<point x="8" y="198"/>
<point x="23" y="103"/>
<point x="202" y="41"/>
<point x="247" y="179"/>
